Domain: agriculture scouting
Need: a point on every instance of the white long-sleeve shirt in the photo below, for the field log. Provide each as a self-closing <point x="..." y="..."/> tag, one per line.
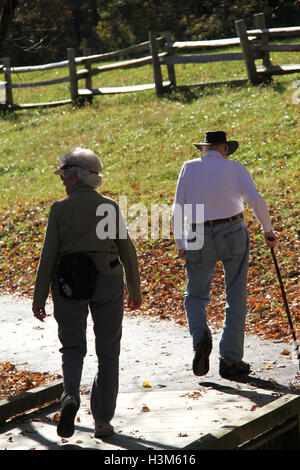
<point x="222" y="186"/>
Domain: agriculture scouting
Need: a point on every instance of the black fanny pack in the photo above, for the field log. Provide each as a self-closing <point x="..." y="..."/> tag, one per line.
<point x="77" y="276"/>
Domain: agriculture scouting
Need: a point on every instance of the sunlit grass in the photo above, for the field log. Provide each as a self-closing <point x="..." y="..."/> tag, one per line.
<point x="143" y="140"/>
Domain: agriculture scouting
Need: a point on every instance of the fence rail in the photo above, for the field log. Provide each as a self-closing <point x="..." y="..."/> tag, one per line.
<point x="196" y="44"/>
<point x="161" y="52"/>
<point x="254" y="45"/>
<point x="261" y="73"/>
<point x="77" y="94"/>
<point x="273" y="32"/>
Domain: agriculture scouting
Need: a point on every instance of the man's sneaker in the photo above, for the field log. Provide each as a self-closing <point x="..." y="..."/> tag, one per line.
<point x="201" y="358"/>
<point x="230" y="368"/>
<point x="65" y="427"/>
<point x="103" y="429"/>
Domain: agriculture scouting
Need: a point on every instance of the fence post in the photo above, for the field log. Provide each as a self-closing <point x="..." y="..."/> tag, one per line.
<point x="170" y="67"/>
<point x="155" y="64"/>
<point x="88" y="80"/>
<point x="7" y="79"/>
<point x="241" y="30"/>
<point x="88" y="67"/>
<point x="260" y="23"/>
<point x="73" y="76"/>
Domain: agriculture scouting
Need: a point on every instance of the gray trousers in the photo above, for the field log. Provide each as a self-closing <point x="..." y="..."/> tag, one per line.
<point x="106" y="307"/>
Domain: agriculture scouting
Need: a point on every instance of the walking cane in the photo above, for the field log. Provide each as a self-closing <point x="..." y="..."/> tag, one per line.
<point x="285" y="302"/>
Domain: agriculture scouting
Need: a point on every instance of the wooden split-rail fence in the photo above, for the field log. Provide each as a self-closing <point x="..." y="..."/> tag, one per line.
<point x="162" y="51"/>
<point x="254" y="45"/>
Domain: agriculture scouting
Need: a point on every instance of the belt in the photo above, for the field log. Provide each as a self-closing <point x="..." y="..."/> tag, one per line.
<point x="222" y="221"/>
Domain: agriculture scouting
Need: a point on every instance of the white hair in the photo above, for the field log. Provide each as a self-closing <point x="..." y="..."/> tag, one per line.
<point x="88" y="179"/>
<point x="87" y="166"/>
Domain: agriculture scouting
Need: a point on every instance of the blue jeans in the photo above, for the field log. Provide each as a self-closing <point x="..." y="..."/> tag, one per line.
<point x="229" y="243"/>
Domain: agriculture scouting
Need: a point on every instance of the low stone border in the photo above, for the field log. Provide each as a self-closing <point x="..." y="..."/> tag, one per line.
<point x="31" y="399"/>
<point x="249" y="428"/>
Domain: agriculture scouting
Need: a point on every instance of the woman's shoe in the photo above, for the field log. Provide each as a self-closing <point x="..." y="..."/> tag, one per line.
<point x="65" y="427"/>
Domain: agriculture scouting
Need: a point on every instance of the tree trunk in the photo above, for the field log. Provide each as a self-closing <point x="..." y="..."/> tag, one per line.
<point x="7" y="15"/>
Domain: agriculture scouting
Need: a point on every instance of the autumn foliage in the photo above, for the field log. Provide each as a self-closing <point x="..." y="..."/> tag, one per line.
<point x="14" y="381"/>
<point x="163" y="273"/>
<point x="163" y="279"/>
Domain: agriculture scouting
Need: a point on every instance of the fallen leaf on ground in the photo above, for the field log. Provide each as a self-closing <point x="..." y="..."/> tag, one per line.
<point x="285" y="352"/>
<point x="146" y="384"/>
<point x="145" y="409"/>
<point x="193" y="395"/>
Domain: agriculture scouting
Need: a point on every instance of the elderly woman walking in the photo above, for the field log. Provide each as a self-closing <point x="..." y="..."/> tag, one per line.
<point x="83" y="264"/>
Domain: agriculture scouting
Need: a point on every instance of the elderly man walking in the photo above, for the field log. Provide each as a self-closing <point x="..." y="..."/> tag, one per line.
<point x="221" y="186"/>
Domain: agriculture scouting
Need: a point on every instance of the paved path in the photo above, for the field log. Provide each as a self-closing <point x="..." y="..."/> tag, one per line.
<point x="175" y="410"/>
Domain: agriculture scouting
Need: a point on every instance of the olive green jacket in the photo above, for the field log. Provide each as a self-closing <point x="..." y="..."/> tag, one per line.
<point x="72" y="228"/>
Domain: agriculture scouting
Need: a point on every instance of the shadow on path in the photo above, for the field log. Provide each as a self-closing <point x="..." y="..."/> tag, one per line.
<point x="257" y="396"/>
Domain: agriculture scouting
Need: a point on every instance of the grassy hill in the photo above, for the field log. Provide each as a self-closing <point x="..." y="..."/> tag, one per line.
<point x="142" y="142"/>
